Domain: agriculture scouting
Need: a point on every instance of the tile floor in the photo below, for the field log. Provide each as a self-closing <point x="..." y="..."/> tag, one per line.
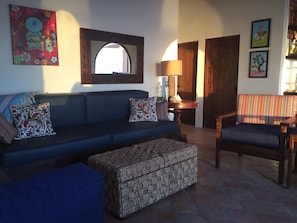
<point x="243" y="190"/>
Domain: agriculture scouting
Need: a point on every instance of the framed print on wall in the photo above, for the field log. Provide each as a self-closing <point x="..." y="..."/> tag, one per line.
<point x="258" y="64"/>
<point x="34" y="36"/>
<point x="260" y="33"/>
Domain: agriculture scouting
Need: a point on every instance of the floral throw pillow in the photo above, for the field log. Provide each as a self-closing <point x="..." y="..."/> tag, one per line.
<point x="143" y="109"/>
<point x="32" y="120"/>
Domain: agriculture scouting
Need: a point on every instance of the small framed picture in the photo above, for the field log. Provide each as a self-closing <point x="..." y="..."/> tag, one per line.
<point x="258" y="64"/>
<point x="260" y="33"/>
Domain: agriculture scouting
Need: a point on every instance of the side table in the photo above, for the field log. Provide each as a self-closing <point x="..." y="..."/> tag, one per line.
<point x="178" y="107"/>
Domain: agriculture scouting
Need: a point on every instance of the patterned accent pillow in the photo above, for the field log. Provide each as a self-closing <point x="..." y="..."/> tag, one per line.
<point x="143" y="109"/>
<point x="162" y="110"/>
<point x="7" y="130"/>
<point x="32" y="120"/>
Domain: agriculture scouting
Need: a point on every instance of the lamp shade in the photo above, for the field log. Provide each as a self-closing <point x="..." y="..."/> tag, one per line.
<point x="171" y="68"/>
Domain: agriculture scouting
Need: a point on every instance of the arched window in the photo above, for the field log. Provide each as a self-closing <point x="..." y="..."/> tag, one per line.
<point x="112" y="58"/>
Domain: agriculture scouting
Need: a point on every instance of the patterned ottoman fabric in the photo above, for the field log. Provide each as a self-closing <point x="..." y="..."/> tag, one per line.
<point x="142" y="174"/>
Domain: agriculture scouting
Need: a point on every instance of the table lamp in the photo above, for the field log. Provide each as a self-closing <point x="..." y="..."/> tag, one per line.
<point x="172" y="68"/>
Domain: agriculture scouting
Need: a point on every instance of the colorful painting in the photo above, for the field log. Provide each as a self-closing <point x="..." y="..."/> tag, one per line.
<point x="34" y="36"/>
<point x="260" y="33"/>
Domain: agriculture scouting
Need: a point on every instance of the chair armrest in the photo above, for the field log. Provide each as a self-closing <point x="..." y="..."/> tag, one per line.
<point x="219" y="122"/>
<point x="288" y="123"/>
<point x="284" y="125"/>
<point x="228" y="115"/>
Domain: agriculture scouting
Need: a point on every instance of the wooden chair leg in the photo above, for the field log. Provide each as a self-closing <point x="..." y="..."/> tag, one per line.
<point x="289" y="167"/>
<point x="281" y="170"/>
<point x="218" y="158"/>
<point x="293" y="139"/>
<point x="295" y="166"/>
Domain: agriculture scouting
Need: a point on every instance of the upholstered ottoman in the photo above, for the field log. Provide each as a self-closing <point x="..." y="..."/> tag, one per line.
<point x="142" y="174"/>
<point x="73" y="194"/>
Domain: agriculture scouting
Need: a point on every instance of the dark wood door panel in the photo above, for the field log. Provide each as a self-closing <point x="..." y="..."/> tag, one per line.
<point x="187" y="52"/>
<point x="220" y="78"/>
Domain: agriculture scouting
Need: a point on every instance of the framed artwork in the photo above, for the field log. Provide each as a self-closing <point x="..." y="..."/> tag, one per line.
<point x="258" y="64"/>
<point x="260" y="33"/>
<point x="34" y="36"/>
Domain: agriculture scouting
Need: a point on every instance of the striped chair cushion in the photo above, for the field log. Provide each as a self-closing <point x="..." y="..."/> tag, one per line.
<point x="265" y="109"/>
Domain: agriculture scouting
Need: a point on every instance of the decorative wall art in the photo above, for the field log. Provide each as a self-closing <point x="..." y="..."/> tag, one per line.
<point x="34" y="36"/>
<point x="260" y="33"/>
<point x="258" y="63"/>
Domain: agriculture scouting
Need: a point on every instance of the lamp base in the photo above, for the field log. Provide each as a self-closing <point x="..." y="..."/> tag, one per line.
<point x="175" y="99"/>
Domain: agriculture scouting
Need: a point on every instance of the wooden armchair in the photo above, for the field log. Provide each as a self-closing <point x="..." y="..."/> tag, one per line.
<point x="263" y="124"/>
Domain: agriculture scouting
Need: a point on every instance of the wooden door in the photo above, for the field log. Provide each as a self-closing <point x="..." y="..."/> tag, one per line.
<point x="186" y="88"/>
<point x="220" y="78"/>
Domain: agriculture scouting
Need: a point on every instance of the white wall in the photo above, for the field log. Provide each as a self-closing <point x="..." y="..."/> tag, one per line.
<point x="204" y="19"/>
<point x="155" y="20"/>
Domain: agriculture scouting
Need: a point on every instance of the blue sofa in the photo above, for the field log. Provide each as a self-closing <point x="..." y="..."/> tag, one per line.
<point x="85" y="123"/>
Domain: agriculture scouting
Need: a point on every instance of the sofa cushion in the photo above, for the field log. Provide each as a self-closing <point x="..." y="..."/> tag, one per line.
<point x="32" y="120"/>
<point x="110" y="105"/>
<point x="7" y="130"/>
<point x="253" y="134"/>
<point x="127" y="132"/>
<point x="143" y="109"/>
<point x="66" y="109"/>
<point x="67" y="141"/>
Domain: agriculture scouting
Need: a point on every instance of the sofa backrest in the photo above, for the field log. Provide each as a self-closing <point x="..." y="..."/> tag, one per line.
<point x="66" y="109"/>
<point x="110" y="105"/>
<point x="265" y="109"/>
<point x="71" y="109"/>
